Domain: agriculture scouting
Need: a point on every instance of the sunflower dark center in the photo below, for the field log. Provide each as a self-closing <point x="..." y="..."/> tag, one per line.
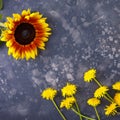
<point x="24" y="33"/>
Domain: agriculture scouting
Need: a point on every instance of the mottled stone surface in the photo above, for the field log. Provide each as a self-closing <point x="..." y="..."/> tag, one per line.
<point x="86" y="34"/>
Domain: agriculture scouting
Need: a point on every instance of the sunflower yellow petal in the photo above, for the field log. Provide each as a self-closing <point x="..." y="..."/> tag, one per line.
<point x="35" y="15"/>
<point x="11" y="50"/>
<point x="44" y="39"/>
<point x="9" y="43"/>
<point x="22" y="54"/>
<point x="10" y="32"/>
<point x="34" y="48"/>
<point x="42" y="46"/>
<point x="32" y="54"/>
<point x="9" y="19"/>
<point x="17" y="17"/>
<point x="27" y="17"/>
<point x="27" y="55"/>
<point x="25" y="12"/>
<point x="3" y="39"/>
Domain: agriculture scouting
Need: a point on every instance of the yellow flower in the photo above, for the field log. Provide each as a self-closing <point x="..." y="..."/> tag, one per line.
<point x="68" y="102"/>
<point x="116" y="86"/>
<point x="93" y="102"/>
<point x="49" y="93"/>
<point x="89" y="75"/>
<point x="117" y="98"/>
<point x="101" y="91"/>
<point x="25" y="33"/>
<point x="69" y="90"/>
<point x="111" y="109"/>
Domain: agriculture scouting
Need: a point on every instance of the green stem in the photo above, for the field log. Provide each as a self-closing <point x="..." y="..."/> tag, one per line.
<point x="59" y="110"/>
<point x="1" y="4"/>
<point x="81" y="114"/>
<point x="99" y="84"/>
<point x="108" y="99"/>
<point x="78" y="109"/>
<point x="97" y="113"/>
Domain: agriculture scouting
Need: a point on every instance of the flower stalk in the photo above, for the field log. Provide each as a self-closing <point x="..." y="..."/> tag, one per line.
<point x="61" y="114"/>
<point x="97" y="113"/>
<point x="88" y="118"/>
<point x="78" y="109"/>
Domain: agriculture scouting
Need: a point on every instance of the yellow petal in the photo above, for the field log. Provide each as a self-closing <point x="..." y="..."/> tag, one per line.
<point x="3" y="39"/>
<point x="42" y="48"/>
<point x="22" y="54"/>
<point x="27" y="55"/>
<point x="35" y="15"/>
<point x="10" y="32"/>
<point x="11" y="50"/>
<point x="27" y="17"/>
<point x="9" y="19"/>
<point x="44" y="39"/>
<point x="25" y="12"/>
<point x="9" y="43"/>
<point x="32" y="53"/>
<point x="17" y="17"/>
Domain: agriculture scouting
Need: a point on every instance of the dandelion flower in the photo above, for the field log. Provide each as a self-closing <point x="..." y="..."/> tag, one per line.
<point x="69" y="90"/>
<point x="49" y="93"/>
<point x="89" y="75"/>
<point x="93" y="102"/>
<point x="101" y="91"/>
<point x="111" y="109"/>
<point x="117" y="98"/>
<point x="116" y="86"/>
<point x="68" y="102"/>
<point x="25" y="33"/>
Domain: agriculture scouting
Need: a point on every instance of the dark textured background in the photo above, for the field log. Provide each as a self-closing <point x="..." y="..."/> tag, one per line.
<point x="86" y="34"/>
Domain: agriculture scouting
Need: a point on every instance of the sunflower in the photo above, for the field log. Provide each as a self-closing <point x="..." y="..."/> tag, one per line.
<point x="25" y="33"/>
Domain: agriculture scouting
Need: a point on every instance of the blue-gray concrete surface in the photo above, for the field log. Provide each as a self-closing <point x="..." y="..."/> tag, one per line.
<point x="85" y="34"/>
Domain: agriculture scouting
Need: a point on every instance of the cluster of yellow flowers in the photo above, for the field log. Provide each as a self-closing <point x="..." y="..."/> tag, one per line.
<point x="69" y="101"/>
<point x="102" y="92"/>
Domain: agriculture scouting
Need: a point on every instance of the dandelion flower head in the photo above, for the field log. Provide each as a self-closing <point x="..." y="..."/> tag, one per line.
<point x="111" y="109"/>
<point x="49" y="93"/>
<point x="93" y="102"/>
<point x="116" y="86"/>
<point x="89" y="75"/>
<point x="101" y="91"/>
<point x="67" y="102"/>
<point x="69" y="90"/>
<point x="117" y="98"/>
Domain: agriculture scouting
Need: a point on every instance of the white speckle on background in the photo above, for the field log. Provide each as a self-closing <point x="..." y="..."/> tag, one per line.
<point x="12" y="92"/>
<point x="36" y="81"/>
<point x="69" y="77"/>
<point x="35" y="72"/>
<point x="51" y="78"/>
<point x="118" y="65"/>
<point x="20" y="109"/>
